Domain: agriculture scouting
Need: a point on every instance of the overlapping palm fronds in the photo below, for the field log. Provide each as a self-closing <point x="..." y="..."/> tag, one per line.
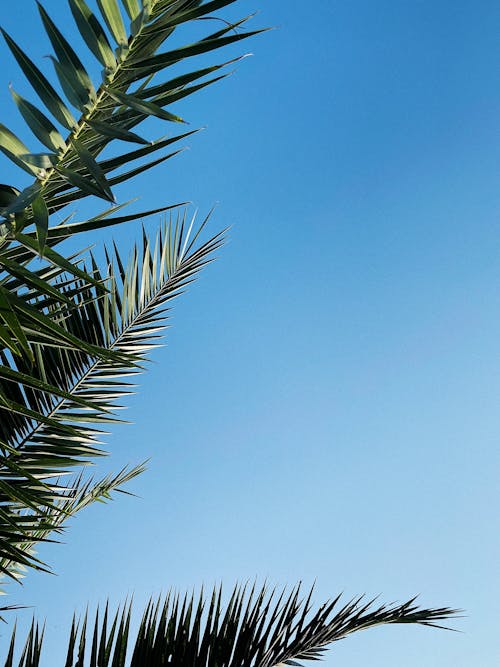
<point x="127" y="319"/>
<point x="254" y="628"/>
<point x="67" y="328"/>
<point x="76" y="125"/>
<point x="73" y="336"/>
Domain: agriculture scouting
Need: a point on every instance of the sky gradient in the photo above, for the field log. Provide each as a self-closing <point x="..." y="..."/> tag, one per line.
<point x="326" y="407"/>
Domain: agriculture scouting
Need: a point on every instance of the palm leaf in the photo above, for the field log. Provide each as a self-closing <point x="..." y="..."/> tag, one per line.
<point x="254" y="627"/>
<point x="54" y="412"/>
<point x="113" y="106"/>
<point x="109" y="111"/>
<point x="25" y="294"/>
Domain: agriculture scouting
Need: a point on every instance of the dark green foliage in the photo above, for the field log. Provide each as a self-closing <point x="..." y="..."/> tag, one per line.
<point x="254" y="627"/>
<point x="73" y="334"/>
<point x="68" y="327"/>
<point x="109" y="111"/>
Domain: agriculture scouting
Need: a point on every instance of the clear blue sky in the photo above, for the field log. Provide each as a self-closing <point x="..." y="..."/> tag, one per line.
<point x="327" y="405"/>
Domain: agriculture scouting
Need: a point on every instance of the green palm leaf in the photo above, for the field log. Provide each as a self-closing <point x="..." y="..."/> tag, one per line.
<point x="254" y="627"/>
<point x="109" y="111"/>
<point x="52" y="413"/>
<point x="113" y="106"/>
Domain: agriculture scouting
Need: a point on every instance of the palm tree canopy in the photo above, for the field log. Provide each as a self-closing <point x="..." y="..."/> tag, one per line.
<point x="72" y="333"/>
<point x="71" y="168"/>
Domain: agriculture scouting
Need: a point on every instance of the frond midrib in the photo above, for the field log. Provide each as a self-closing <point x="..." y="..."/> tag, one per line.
<point x="101" y="95"/>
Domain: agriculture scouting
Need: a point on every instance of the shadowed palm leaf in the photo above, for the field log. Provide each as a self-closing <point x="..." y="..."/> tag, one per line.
<point x="70" y="333"/>
<point x="253" y="628"/>
<point x="128" y="319"/>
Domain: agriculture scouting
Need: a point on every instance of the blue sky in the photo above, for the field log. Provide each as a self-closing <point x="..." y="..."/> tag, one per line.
<point x="326" y="408"/>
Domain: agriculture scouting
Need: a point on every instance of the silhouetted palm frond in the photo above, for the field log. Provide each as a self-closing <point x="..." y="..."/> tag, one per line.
<point x="253" y="628"/>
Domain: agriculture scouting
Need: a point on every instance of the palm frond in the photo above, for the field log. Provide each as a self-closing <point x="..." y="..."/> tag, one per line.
<point x="77" y="123"/>
<point x="110" y="110"/>
<point x="254" y="627"/>
<point x="55" y="412"/>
